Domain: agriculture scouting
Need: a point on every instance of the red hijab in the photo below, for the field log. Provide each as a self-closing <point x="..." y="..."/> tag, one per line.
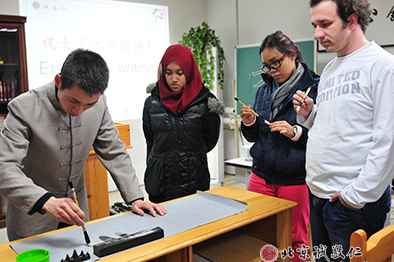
<point x="178" y="101"/>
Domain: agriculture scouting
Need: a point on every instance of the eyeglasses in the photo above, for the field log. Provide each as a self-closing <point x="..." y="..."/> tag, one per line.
<point x="275" y="65"/>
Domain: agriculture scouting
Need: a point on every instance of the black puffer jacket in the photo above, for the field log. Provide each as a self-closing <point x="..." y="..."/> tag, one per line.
<point x="177" y="146"/>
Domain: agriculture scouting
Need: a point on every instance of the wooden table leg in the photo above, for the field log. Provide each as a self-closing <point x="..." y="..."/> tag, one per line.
<point x="283" y="231"/>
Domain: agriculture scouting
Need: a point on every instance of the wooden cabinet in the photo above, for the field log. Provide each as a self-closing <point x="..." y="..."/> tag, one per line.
<point x="13" y="70"/>
<point x="13" y="67"/>
<point x="2" y="212"/>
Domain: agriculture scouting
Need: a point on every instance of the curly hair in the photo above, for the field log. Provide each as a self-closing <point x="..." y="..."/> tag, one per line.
<point x="345" y="8"/>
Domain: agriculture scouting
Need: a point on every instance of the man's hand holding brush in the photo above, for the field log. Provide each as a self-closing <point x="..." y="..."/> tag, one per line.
<point x="64" y="210"/>
<point x="303" y="104"/>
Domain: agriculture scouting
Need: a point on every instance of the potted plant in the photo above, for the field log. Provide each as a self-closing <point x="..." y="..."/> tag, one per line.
<point x="200" y="41"/>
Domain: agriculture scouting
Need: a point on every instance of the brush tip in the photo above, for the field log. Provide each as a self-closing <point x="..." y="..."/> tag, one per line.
<point x="87" y="239"/>
<point x="236" y="99"/>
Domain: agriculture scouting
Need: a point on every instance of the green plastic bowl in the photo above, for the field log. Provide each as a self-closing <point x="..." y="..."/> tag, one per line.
<point x="34" y="255"/>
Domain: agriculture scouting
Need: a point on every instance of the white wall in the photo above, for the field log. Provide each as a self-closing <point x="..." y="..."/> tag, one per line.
<point x="256" y="19"/>
<point x="182" y="15"/>
<point x="225" y="27"/>
<point x="9" y="7"/>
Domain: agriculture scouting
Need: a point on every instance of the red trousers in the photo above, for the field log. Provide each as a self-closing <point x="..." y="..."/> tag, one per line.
<point x="300" y="213"/>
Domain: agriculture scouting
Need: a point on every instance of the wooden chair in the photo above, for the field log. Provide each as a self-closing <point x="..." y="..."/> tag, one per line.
<point x="378" y="248"/>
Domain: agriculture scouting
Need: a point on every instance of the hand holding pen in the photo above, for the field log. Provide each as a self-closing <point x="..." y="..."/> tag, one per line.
<point x="301" y="98"/>
<point x="252" y="111"/>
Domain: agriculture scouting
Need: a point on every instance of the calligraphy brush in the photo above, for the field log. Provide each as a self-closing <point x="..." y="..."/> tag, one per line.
<point x="87" y="239"/>
<point x="262" y="119"/>
<point x="303" y="100"/>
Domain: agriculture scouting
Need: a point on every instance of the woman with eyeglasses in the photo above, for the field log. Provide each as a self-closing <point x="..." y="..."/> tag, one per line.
<point x="279" y="148"/>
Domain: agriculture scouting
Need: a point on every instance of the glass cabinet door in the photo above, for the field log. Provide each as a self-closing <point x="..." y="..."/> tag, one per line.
<point x="10" y="76"/>
<point x="13" y="69"/>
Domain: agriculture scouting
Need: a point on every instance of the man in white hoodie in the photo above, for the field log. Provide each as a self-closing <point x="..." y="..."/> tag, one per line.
<point x="350" y="151"/>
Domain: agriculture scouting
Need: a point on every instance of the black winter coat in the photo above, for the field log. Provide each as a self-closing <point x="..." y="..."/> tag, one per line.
<point x="177" y="146"/>
<point x="276" y="158"/>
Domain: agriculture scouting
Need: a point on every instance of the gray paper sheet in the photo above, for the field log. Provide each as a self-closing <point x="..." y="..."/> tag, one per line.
<point x="182" y="215"/>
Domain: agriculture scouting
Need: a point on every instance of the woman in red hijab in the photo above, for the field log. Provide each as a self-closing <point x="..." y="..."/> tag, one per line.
<point x="181" y="121"/>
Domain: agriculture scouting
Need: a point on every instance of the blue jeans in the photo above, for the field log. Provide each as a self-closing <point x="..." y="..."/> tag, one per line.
<point x="332" y="225"/>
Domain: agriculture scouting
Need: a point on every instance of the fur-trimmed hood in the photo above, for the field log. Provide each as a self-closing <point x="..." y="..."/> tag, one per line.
<point x="216" y="106"/>
<point x="150" y="87"/>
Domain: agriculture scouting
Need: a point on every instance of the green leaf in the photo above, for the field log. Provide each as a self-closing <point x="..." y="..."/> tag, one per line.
<point x="200" y="41"/>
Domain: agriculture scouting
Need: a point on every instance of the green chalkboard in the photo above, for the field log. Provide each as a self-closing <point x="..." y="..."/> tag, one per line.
<point x="248" y="69"/>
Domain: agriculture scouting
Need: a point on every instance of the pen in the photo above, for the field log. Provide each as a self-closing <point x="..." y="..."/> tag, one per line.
<point x="87" y="239"/>
<point x="265" y="121"/>
<point x="303" y="100"/>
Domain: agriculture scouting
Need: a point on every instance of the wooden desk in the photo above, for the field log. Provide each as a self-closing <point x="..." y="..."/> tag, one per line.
<point x="96" y="178"/>
<point x="266" y="220"/>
